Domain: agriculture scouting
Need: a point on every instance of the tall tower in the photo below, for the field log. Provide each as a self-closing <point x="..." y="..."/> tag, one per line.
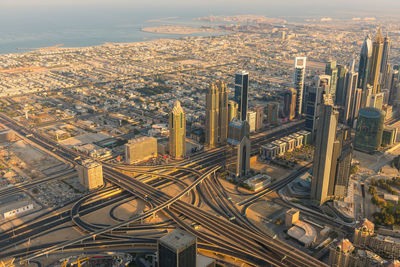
<point x="241" y="93"/>
<point x="216" y="114"/>
<point x="365" y="63"/>
<point x="332" y="70"/>
<point x="177" y="132"/>
<point x="289" y="107"/>
<point x="232" y="110"/>
<point x="350" y="91"/>
<point x="385" y="62"/>
<point x="376" y="60"/>
<point x="324" y="150"/>
<point x="298" y="82"/>
<point x="341" y="83"/>
<point x="314" y="99"/>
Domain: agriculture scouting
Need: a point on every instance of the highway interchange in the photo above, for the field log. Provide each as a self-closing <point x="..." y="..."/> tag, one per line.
<point x="230" y="233"/>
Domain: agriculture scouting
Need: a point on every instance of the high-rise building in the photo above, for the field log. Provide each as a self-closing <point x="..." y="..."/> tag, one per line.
<point x="324" y="150"/>
<point x="342" y="254"/>
<point x="341" y="85"/>
<point x="350" y="89"/>
<point x="239" y="141"/>
<point x="289" y="106"/>
<point x="241" y="93"/>
<point x="385" y="66"/>
<point x="251" y="119"/>
<point x="272" y="113"/>
<point x="216" y="114"/>
<point x="376" y="101"/>
<point x="140" y="149"/>
<point x="177" y="249"/>
<point x="259" y="110"/>
<point x="232" y="110"/>
<point x="332" y="70"/>
<point x="298" y="82"/>
<point x="90" y="174"/>
<point x="177" y="132"/>
<point x="365" y="63"/>
<point x="369" y="130"/>
<point x="314" y="98"/>
<point x="357" y="102"/>
<point x="394" y="94"/>
<point x="376" y="60"/>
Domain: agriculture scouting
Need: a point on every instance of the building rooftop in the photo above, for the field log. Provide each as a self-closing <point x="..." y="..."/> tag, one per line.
<point x="140" y="139"/>
<point x="90" y="163"/>
<point x="345" y="245"/>
<point x="177" y="239"/>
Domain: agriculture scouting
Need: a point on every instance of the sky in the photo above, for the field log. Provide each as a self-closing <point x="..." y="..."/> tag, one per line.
<point x="309" y="7"/>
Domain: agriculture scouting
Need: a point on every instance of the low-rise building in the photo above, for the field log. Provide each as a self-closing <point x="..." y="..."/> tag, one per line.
<point x="269" y="151"/>
<point x="258" y="182"/>
<point x="140" y="149"/>
<point x="292" y="216"/>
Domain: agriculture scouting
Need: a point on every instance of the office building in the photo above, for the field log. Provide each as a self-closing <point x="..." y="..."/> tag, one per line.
<point x="324" y="150"/>
<point x="389" y="136"/>
<point x="239" y="141"/>
<point x="292" y="216"/>
<point x="251" y="119"/>
<point x="369" y="130"/>
<point x="341" y="163"/>
<point x="341" y="85"/>
<point x="232" y="110"/>
<point x="341" y="254"/>
<point x="241" y="93"/>
<point x="357" y="103"/>
<point x="177" y="132"/>
<point x="216" y="114"/>
<point x="385" y="66"/>
<point x="90" y="174"/>
<point x="177" y="249"/>
<point x="365" y="62"/>
<point x="394" y="87"/>
<point x="332" y="70"/>
<point x="259" y="110"/>
<point x="376" y="59"/>
<point x="376" y="100"/>
<point x="314" y="98"/>
<point x="272" y="113"/>
<point x="140" y="149"/>
<point x="350" y="91"/>
<point x="298" y="82"/>
<point x="289" y="103"/>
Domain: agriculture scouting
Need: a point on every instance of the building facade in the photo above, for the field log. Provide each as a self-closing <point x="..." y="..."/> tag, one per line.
<point x="216" y="114"/>
<point x="90" y="174"/>
<point x="239" y="141"/>
<point x="376" y="60"/>
<point x="289" y="106"/>
<point x="298" y="82"/>
<point x="241" y="93"/>
<point x="369" y="130"/>
<point x="140" y="149"/>
<point x="332" y="70"/>
<point x="177" y="132"/>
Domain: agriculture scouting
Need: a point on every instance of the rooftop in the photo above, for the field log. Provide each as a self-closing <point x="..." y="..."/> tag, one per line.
<point x="177" y="239"/>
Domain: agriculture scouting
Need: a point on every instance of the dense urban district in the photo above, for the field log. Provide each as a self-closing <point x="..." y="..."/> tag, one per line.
<point x="264" y="143"/>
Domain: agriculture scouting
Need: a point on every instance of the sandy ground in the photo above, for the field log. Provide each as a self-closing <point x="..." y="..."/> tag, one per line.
<point x="129" y="209"/>
<point x="276" y="172"/>
<point x="34" y="157"/>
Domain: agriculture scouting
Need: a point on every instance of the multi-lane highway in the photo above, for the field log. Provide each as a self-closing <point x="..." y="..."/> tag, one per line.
<point x="237" y="237"/>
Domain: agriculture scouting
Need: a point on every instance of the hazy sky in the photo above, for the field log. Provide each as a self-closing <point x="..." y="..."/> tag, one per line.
<point x="322" y="7"/>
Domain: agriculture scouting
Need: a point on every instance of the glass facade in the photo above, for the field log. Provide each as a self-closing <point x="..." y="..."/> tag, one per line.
<point x="369" y="130"/>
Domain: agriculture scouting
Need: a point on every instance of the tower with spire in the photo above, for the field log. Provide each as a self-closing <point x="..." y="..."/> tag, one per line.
<point x="177" y="132"/>
<point x="365" y="63"/>
<point x="376" y="61"/>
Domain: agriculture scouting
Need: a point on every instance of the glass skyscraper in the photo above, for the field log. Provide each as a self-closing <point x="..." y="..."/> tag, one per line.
<point x="298" y="82"/>
<point x="241" y="93"/>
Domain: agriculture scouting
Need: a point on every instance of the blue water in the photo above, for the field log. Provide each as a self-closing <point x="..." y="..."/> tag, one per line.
<point x="88" y="23"/>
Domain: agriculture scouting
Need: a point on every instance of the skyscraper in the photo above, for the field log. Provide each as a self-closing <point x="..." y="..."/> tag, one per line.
<point x="385" y="62"/>
<point x="259" y="117"/>
<point x="314" y="98"/>
<point x="289" y="106"/>
<point x="324" y="150"/>
<point x="369" y="130"/>
<point x="216" y="114"/>
<point x="350" y="91"/>
<point x="272" y="113"/>
<point x="241" y="93"/>
<point x="177" y="132"/>
<point x="332" y="70"/>
<point x="232" y="110"/>
<point x="298" y="82"/>
<point x="376" y="60"/>
<point x="341" y="85"/>
<point x="239" y="141"/>
<point x="365" y="63"/>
